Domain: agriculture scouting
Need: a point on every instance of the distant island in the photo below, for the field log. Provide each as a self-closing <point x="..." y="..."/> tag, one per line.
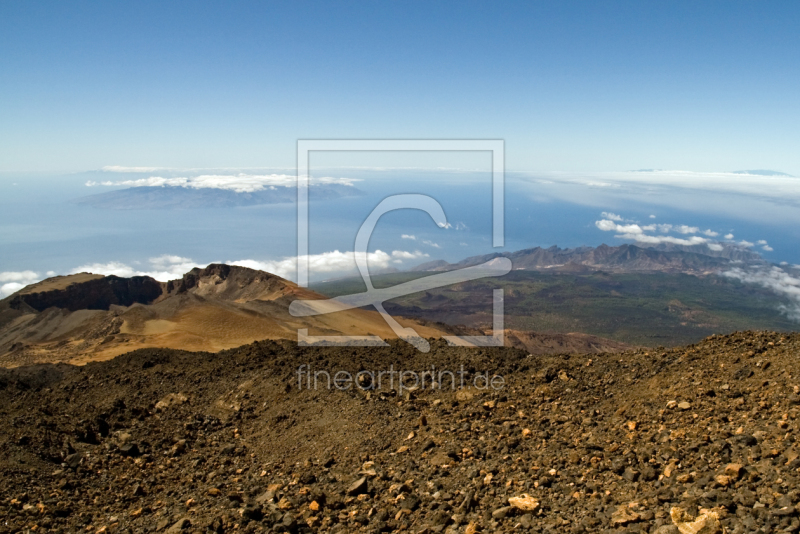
<point x="178" y="197"/>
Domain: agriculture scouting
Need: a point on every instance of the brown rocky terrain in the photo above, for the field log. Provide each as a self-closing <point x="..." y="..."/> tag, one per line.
<point x="694" y="439"/>
<point x="87" y="317"/>
<point x="571" y="343"/>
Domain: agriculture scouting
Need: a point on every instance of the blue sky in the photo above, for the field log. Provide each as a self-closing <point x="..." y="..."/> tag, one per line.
<point x="572" y="86"/>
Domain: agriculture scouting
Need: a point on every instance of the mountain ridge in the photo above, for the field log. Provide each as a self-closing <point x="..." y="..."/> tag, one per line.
<point x="623" y="258"/>
<point x="84" y="317"/>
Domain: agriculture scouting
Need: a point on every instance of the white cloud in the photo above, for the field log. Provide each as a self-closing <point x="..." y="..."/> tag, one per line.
<point x="168" y="259"/>
<point x="746" y="243"/>
<point x="431" y="243"/>
<point x="115" y="268"/>
<point x="652" y="216"/>
<point x="239" y="183"/>
<point x="328" y="262"/>
<point x="710" y="233"/>
<point x="18" y="276"/>
<point x="13" y="281"/>
<point x="606" y="225"/>
<point x="446" y="225"/>
<point x="409" y="236"/>
<point x="637" y="233"/>
<point x="611" y="216"/>
<point x="162" y="268"/>
<point x="761" y="242"/>
<point x="728" y="236"/>
<point x="777" y="280"/>
<point x="405" y="255"/>
<point x="775" y="187"/>
<point x="683" y="229"/>
<point x="171" y="267"/>
<point x="767" y="248"/>
<point x="715" y="246"/>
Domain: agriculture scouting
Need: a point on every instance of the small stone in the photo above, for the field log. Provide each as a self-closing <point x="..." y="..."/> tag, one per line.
<point x="623" y="515"/>
<point x="214" y="492"/>
<point x="501" y="513"/>
<point x="358" y="487"/>
<point x="671" y="404"/>
<point x="173" y="399"/>
<point x="630" y="474"/>
<point x="683" y="405"/>
<point x="464" y="395"/>
<point x="734" y="470"/>
<point x="314" y="506"/>
<point x="73" y="460"/>
<point x="723" y="480"/>
<point x="179" y="447"/>
<point x="524" y="502"/>
<point x="705" y="523"/>
<point x="179" y="525"/>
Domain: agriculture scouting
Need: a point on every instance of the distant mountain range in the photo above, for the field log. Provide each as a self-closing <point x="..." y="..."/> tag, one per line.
<point x="178" y="197"/>
<point x="662" y="295"/>
<point x="625" y="258"/>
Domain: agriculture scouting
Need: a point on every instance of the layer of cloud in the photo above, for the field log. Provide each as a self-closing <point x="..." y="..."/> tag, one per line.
<point x="409" y="236"/>
<point x="777" y="280"/>
<point x="162" y="268"/>
<point x="639" y="233"/>
<point x="431" y="243"/>
<point x="239" y="183"/>
<point x="330" y="262"/>
<point x="405" y="255"/>
<point x="776" y="187"/>
<point x="13" y="281"/>
<point x="171" y="267"/>
<point x="612" y="216"/>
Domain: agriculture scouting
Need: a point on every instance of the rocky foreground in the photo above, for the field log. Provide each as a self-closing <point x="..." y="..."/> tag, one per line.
<point x="700" y="439"/>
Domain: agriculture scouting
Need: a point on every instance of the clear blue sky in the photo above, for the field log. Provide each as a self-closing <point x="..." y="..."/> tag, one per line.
<point x="568" y="85"/>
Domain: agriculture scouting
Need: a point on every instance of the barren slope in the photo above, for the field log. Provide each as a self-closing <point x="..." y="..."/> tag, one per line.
<point x="85" y="317"/>
<point x="161" y="440"/>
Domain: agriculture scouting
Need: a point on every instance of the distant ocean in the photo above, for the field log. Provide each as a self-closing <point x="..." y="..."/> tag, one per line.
<point x="41" y="230"/>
